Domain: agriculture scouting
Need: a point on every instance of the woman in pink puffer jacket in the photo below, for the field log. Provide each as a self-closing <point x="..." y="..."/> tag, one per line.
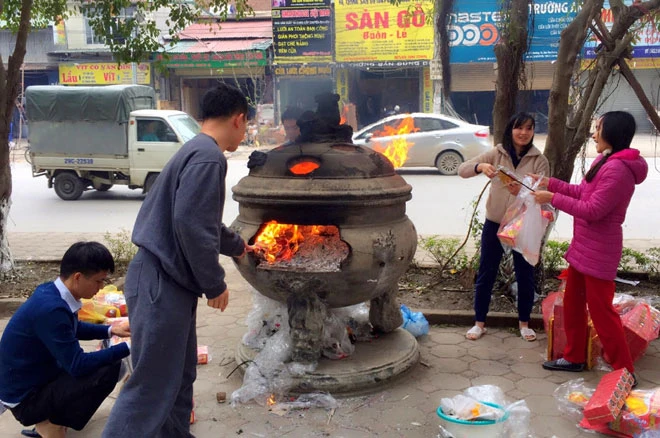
<point x="598" y="206"/>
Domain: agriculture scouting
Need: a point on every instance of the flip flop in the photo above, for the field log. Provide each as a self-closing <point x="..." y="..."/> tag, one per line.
<point x="475" y="333"/>
<point x="528" y="334"/>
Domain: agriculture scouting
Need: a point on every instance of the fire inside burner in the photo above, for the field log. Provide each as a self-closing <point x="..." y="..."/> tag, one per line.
<point x="397" y="150"/>
<point x="305" y="248"/>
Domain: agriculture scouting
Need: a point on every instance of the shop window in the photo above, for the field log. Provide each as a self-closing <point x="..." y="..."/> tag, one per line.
<point x="90" y="36"/>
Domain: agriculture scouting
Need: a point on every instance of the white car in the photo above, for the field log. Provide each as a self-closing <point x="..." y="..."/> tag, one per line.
<point x="436" y="141"/>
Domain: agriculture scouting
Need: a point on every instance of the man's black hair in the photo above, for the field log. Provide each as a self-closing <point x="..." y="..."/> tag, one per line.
<point x="223" y="101"/>
<point x="292" y="113"/>
<point x="89" y="258"/>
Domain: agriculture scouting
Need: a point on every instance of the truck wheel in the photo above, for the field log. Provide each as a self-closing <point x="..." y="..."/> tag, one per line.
<point x="102" y="187"/>
<point x="149" y="182"/>
<point x="68" y="186"/>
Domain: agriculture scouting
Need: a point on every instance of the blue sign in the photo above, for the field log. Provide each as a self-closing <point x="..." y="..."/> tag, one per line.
<point x="646" y="44"/>
<point x="473" y="30"/>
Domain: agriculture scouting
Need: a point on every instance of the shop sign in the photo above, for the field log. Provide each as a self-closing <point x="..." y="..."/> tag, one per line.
<point x="302" y="31"/>
<point x="103" y="73"/>
<point x="645" y="45"/>
<point x="302" y="70"/>
<point x="473" y="30"/>
<point x="342" y="85"/>
<point x="376" y="31"/>
<point x="247" y="58"/>
<point x="427" y="91"/>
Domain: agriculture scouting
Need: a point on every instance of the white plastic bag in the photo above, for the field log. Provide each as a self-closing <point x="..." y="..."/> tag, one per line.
<point x="524" y="224"/>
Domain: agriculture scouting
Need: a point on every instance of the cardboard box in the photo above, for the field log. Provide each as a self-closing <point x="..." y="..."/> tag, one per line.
<point x="640" y="326"/>
<point x="641" y="412"/>
<point x="202" y="354"/>
<point x="607" y="401"/>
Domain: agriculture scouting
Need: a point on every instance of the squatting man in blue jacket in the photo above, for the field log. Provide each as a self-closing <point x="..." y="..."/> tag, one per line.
<point x="46" y="379"/>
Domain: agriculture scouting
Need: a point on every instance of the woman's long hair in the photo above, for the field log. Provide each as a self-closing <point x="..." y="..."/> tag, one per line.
<point x="514" y="122"/>
<point x="617" y="128"/>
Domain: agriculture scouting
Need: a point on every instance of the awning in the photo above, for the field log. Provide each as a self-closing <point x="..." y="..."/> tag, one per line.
<point x="221" y="45"/>
<point x="217" y="54"/>
<point x="246" y="29"/>
<point x="211" y="46"/>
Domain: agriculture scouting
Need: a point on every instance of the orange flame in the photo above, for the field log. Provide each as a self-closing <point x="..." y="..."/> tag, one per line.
<point x="281" y="241"/>
<point x="271" y="400"/>
<point x="304" y="167"/>
<point x="344" y="112"/>
<point x="397" y="150"/>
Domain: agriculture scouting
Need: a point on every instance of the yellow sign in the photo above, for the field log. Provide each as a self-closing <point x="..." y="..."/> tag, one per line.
<point x="103" y="73"/>
<point x="377" y="30"/>
<point x="427" y="91"/>
<point x="302" y="70"/>
<point x="342" y="85"/>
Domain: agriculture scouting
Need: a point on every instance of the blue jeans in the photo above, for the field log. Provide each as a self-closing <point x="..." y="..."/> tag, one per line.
<point x="489" y="263"/>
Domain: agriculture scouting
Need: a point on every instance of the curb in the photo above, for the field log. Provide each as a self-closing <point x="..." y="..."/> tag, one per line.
<point x="464" y="318"/>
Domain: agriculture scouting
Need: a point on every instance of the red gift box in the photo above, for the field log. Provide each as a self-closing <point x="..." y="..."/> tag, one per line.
<point x="640" y="326"/>
<point x="640" y="413"/>
<point x="608" y="399"/>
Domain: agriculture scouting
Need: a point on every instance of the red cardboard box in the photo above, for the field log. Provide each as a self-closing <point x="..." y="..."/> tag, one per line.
<point x="202" y="354"/>
<point x="640" y="326"/>
<point x="640" y="413"/>
<point x="608" y="399"/>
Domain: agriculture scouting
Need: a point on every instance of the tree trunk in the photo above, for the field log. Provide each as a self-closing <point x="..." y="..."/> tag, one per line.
<point x="509" y="52"/>
<point x="559" y="130"/>
<point x="9" y="82"/>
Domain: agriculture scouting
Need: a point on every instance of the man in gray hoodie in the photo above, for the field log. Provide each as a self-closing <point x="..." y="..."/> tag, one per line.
<point x="179" y="232"/>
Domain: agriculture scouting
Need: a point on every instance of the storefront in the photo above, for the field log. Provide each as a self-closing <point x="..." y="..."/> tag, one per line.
<point x="473" y="33"/>
<point x="382" y="53"/>
<point x="235" y="53"/>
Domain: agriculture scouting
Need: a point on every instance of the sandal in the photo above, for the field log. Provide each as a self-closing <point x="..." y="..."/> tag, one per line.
<point x="528" y="334"/>
<point x="475" y="333"/>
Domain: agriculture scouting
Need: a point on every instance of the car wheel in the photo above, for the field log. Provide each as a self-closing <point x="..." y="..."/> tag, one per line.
<point x="448" y="162"/>
<point x="68" y="186"/>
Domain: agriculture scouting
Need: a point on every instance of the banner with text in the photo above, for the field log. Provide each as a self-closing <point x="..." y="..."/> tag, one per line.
<point x="103" y="73"/>
<point x="473" y="29"/>
<point x="302" y="31"/>
<point x="378" y="33"/>
<point x="646" y="44"/>
<point x="246" y="58"/>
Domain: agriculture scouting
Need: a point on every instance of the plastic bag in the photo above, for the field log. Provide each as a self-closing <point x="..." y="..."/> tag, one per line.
<point x="95" y="312"/>
<point x="572" y="397"/>
<point x="467" y="408"/>
<point x="523" y="225"/>
<point x="414" y="322"/>
<point x="265" y="319"/>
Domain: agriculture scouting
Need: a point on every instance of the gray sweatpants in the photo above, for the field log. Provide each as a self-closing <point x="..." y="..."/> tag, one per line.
<point x="157" y="399"/>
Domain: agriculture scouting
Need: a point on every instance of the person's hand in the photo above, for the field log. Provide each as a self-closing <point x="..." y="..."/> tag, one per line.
<point x="121" y="329"/>
<point x="513" y="188"/>
<point x="487" y="169"/>
<point x="220" y="302"/>
<point x="247" y="248"/>
<point x="542" y="196"/>
<point x="544" y="179"/>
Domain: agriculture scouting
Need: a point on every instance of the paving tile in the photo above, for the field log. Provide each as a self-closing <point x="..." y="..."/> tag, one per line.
<point x="489" y="367"/>
<point x="530" y="370"/>
<point x="501" y="382"/>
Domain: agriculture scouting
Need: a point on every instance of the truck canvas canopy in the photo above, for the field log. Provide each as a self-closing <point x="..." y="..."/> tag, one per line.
<point x="83" y="120"/>
<point x="57" y="103"/>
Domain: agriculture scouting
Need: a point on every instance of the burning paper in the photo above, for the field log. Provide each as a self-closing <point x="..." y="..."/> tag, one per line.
<point x="304" y="248"/>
